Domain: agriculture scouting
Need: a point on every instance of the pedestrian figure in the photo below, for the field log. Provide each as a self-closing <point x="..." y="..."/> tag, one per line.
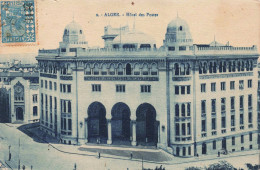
<point x="98" y="155"/>
<point x="218" y="154"/>
<point x="131" y="155"/>
<point x="23" y="167"/>
<point x="10" y="156"/>
<point x="197" y="155"/>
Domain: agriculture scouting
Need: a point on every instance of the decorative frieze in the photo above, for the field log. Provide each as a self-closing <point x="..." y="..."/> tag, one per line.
<point x="88" y="78"/>
<point x="48" y="75"/>
<point x="181" y="78"/>
<point x="216" y="76"/>
<point x="66" y="78"/>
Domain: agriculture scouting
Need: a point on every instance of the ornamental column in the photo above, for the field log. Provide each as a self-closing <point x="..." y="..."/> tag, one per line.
<point x="109" y="132"/>
<point x="133" y="133"/>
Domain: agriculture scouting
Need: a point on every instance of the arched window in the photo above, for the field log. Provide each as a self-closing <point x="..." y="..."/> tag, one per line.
<point x="188" y="109"/>
<point x="177" y="151"/>
<point x="205" y="68"/>
<point x="251" y="65"/>
<point x="243" y="66"/>
<point x="182" y="69"/>
<point x="224" y="66"/>
<point x="180" y="28"/>
<point x="229" y="66"/>
<point x="104" y="69"/>
<point x="200" y="68"/>
<point x="215" y="67"/>
<point x="183" y="110"/>
<point x="87" y="69"/>
<point x="120" y="69"/>
<point x="112" y="69"/>
<point x="35" y="111"/>
<point x="96" y="69"/>
<point x="187" y="69"/>
<point x="177" y="110"/>
<point x="210" y="67"/>
<point x="145" y="69"/>
<point x="247" y="65"/>
<point x="176" y="69"/>
<point x="204" y="148"/>
<point x="136" y="69"/>
<point x="128" y="69"/>
<point x="154" y="70"/>
<point x="183" y="151"/>
<point x="220" y="67"/>
<point x="234" y="66"/>
<point x="238" y="66"/>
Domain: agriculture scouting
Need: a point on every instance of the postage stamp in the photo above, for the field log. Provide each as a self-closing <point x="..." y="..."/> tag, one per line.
<point x="18" y="22"/>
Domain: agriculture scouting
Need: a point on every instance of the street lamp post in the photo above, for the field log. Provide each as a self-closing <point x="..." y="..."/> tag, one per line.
<point x="9" y="152"/>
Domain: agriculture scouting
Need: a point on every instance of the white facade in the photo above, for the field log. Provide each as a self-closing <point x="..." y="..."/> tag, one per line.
<point x="133" y="93"/>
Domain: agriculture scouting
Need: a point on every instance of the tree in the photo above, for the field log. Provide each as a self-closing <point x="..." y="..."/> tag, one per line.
<point x="193" y="168"/>
<point x="221" y="165"/>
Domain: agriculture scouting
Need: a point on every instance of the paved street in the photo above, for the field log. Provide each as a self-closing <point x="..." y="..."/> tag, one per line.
<point x="34" y="152"/>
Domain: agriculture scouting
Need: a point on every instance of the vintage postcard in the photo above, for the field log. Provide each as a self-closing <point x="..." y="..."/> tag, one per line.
<point x="129" y="84"/>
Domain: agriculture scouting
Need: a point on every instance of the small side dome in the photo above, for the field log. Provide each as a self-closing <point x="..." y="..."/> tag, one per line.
<point x="134" y="39"/>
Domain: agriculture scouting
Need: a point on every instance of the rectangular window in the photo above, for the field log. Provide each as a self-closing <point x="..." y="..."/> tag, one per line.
<point x="188" y="89"/>
<point x="41" y="83"/>
<point x="188" y="129"/>
<point x="241" y="84"/>
<point x="69" y="124"/>
<point x="249" y="100"/>
<point x="182" y="89"/>
<point x="232" y="120"/>
<point x="233" y="140"/>
<point x="214" y="144"/>
<point x="223" y="122"/>
<point x="242" y="138"/>
<point x="69" y="88"/>
<point x="250" y="118"/>
<point x="203" y="125"/>
<point x="241" y="119"/>
<point x="213" y="123"/>
<point x="177" y="129"/>
<point x="183" y="129"/>
<point x="55" y="86"/>
<point x="60" y="87"/>
<point x="223" y="86"/>
<point x="250" y="137"/>
<point x="176" y="89"/>
<point x="46" y="84"/>
<point x="35" y="100"/>
<point x="96" y="87"/>
<point x="145" y="88"/>
<point x="249" y="83"/>
<point x="203" y="88"/>
<point x="223" y="104"/>
<point x="232" y="103"/>
<point x="213" y="105"/>
<point x="203" y="106"/>
<point x="182" y="48"/>
<point x="213" y="87"/>
<point x="50" y="85"/>
<point x="171" y="48"/>
<point x="232" y="85"/>
<point x="120" y="88"/>
<point x="241" y="102"/>
<point x="64" y="88"/>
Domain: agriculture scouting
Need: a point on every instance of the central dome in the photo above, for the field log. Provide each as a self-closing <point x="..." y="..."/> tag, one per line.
<point x="73" y="33"/>
<point x="134" y="37"/>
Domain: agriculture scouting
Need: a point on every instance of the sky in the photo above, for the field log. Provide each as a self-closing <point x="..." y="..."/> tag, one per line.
<point x="236" y="21"/>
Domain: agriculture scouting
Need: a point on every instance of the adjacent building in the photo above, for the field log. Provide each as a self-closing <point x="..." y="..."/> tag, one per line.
<point x="19" y="88"/>
<point x="188" y="99"/>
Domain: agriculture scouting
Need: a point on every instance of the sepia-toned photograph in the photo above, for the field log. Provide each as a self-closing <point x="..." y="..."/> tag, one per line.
<point x="129" y="85"/>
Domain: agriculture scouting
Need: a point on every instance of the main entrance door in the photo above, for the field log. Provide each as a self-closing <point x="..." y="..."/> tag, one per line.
<point x="120" y="123"/>
<point x="97" y="123"/>
<point x="19" y="113"/>
<point x="146" y="124"/>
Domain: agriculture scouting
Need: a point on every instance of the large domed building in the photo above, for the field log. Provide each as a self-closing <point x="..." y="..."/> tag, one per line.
<point x="188" y="99"/>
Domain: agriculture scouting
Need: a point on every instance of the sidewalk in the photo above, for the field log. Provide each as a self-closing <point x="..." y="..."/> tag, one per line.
<point x="157" y="156"/>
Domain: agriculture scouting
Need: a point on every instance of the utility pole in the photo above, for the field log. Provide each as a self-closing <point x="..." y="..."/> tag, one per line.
<point x="142" y="163"/>
<point x="19" y="155"/>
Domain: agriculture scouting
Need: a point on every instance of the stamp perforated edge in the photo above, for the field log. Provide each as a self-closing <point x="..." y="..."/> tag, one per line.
<point x="22" y="43"/>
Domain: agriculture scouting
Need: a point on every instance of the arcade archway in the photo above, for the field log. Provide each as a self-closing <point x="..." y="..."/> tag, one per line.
<point x="146" y="125"/>
<point x="120" y="122"/>
<point x="97" y="123"/>
<point x="19" y="113"/>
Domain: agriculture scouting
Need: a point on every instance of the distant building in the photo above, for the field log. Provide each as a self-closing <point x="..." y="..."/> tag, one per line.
<point x="19" y="90"/>
<point x="188" y="99"/>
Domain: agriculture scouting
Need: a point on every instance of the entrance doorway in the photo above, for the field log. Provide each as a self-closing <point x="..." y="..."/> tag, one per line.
<point x="19" y="113"/>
